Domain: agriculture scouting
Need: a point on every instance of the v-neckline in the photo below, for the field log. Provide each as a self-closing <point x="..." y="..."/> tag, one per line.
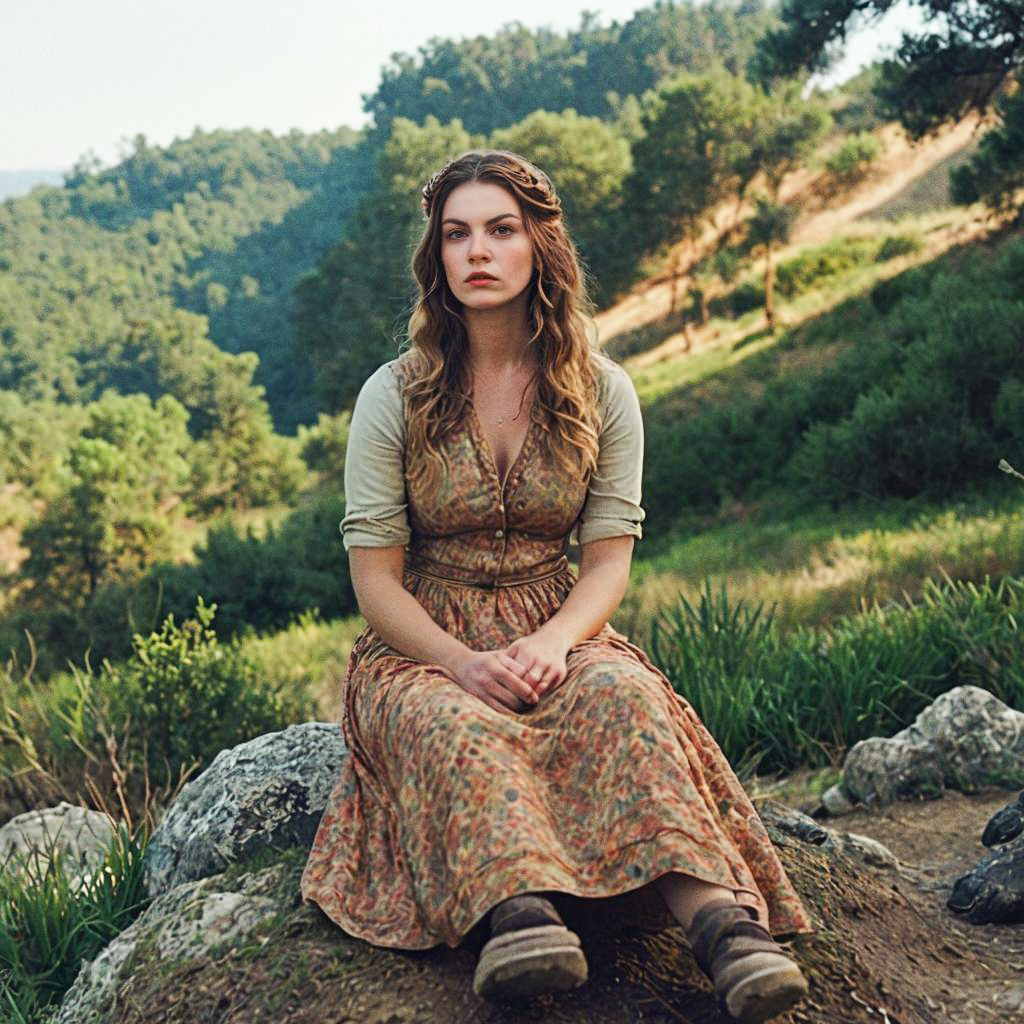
<point x="485" y="445"/>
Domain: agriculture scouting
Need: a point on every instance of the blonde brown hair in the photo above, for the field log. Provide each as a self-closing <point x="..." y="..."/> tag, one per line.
<point x="437" y="395"/>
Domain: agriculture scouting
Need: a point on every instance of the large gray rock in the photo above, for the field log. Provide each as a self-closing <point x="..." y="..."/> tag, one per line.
<point x="965" y="739"/>
<point x="185" y="923"/>
<point x="269" y="792"/>
<point x="80" y="836"/>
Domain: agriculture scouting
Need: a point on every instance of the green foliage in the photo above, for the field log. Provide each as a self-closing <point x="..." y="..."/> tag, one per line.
<point x="262" y="583"/>
<point x="778" y="701"/>
<point x="894" y="246"/>
<point x="854" y="156"/>
<point x="821" y="263"/>
<point x="960" y="57"/>
<point x="189" y="696"/>
<point x="707" y="137"/>
<point x="323" y="446"/>
<point x="930" y="427"/>
<point x="995" y="173"/>
<point x="921" y="401"/>
<point x="855" y="105"/>
<point x="586" y="160"/>
<point x="97" y="276"/>
<point x="349" y="312"/>
<point x="52" y="920"/>
<point x="110" y="517"/>
<point x="491" y="82"/>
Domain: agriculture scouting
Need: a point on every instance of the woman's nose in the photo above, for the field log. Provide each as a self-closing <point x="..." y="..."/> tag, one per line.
<point x="478" y="248"/>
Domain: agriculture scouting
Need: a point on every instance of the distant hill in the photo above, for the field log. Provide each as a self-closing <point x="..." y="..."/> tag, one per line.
<point x="20" y="183"/>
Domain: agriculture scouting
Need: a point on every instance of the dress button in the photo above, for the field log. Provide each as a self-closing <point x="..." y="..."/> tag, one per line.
<point x="499" y="534"/>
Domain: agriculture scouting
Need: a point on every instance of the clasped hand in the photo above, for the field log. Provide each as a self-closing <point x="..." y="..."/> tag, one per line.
<point x="515" y="677"/>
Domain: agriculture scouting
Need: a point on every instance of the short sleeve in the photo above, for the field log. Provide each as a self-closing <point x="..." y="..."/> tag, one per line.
<point x="376" y="508"/>
<point x="612" y="506"/>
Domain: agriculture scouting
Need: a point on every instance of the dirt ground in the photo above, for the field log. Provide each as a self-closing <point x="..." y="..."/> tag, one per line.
<point x="886" y="951"/>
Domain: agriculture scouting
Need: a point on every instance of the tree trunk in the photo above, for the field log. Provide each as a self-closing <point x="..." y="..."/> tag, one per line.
<point x="677" y="269"/>
<point x="769" y="289"/>
<point x="705" y="309"/>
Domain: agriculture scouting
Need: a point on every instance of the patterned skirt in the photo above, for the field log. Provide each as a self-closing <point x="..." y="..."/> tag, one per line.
<point x="446" y="807"/>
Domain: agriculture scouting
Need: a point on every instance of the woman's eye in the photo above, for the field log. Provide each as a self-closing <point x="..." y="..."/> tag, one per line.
<point x="503" y="229"/>
<point x="454" y="234"/>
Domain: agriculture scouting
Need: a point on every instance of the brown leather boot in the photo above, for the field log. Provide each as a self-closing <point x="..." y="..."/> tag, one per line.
<point x="753" y="978"/>
<point x="530" y="952"/>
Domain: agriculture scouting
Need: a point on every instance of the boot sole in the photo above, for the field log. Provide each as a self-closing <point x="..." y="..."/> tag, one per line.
<point x="766" y="993"/>
<point x="530" y="962"/>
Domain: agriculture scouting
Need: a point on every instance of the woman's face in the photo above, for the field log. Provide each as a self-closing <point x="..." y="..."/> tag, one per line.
<point x="486" y="251"/>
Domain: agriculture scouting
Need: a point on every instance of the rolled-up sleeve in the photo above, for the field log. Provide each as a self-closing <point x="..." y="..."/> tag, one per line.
<point x="376" y="508"/>
<point x="612" y="507"/>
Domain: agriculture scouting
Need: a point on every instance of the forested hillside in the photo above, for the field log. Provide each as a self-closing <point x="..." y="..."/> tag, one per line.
<point x="818" y="295"/>
<point x="182" y="335"/>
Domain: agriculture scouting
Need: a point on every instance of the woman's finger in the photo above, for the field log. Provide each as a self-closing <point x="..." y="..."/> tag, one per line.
<point x="520" y="687"/>
<point x="511" y="663"/>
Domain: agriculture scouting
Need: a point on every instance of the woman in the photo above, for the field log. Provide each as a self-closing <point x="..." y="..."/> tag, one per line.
<point x="505" y="740"/>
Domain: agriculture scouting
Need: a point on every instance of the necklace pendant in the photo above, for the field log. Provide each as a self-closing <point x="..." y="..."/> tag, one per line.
<point x="501" y="421"/>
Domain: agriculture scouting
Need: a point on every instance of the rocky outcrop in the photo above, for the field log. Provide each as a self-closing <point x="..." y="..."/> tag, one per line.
<point x="267" y="793"/>
<point x="188" y="922"/>
<point x="965" y="739"/>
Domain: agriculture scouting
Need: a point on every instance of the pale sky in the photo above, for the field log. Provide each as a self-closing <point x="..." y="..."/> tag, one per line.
<point x="87" y="74"/>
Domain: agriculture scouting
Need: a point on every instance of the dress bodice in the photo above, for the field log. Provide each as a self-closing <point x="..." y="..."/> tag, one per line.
<point x="465" y="526"/>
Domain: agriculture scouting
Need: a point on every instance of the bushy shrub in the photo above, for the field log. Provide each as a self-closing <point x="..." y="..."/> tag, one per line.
<point x="935" y="424"/>
<point x="263" y="583"/>
<point x="742" y="299"/>
<point x="854" y="156"/>
<point x="821" y="263"/>
<point x="898" y="245"/>
<point x="924" y="401"/>
<point x="190" y="696"/>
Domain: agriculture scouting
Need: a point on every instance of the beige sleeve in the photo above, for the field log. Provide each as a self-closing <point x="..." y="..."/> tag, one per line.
<point x="612" y="507"/>
<point x="376" y="509"/>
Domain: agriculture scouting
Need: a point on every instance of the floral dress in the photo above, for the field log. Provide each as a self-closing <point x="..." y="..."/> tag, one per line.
<point x="445" y="806"/>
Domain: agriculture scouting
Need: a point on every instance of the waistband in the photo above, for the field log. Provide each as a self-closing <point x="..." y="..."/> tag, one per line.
<point x="503" y="583"/>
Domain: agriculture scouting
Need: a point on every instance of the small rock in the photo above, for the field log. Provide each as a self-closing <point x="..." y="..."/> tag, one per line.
<point x="866" y="849"/>
<point x="836" y="802"/>
<point x="82" y="836"/>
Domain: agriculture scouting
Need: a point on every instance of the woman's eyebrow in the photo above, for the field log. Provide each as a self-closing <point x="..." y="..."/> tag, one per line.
<point x="493" y="220"/>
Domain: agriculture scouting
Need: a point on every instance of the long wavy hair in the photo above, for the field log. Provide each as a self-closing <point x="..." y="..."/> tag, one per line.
<point x="438" y="393"/>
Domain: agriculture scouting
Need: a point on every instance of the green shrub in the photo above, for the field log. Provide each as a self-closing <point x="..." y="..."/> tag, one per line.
<point x="853" y="158"/>
<point x="742" y="299"/>
<point x="898" y="245"/>
<point x="138" y="727"/>
<point x="822" y="263"/>
<point x="50" y="921"/>
<point x="923" y="402"/>
<point x="189" y="696"/>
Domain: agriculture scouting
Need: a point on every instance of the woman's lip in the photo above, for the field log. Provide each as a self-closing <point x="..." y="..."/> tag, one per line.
<point x="480" y="279"/>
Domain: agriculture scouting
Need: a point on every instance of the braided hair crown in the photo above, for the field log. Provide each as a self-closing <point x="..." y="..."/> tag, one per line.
<point x="528" y="182"/>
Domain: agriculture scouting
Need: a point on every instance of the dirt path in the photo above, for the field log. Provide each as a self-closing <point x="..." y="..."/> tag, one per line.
<point x="971" y="973"/>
